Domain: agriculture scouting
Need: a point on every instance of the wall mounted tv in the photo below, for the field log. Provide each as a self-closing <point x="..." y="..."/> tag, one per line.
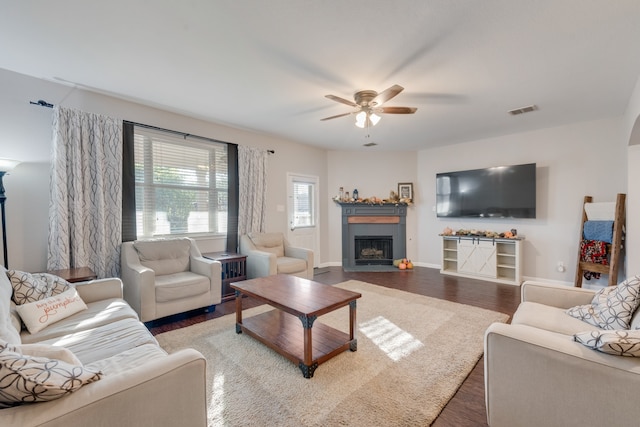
<point x="498" y="192"/>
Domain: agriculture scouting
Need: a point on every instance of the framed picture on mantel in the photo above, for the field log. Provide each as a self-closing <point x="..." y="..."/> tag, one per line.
<point x="405" y="190"/>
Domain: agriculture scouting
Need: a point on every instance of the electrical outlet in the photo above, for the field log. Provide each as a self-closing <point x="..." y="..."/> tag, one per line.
<point x="560" y="267"/>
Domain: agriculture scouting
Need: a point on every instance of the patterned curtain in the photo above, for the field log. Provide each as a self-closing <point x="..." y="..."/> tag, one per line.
<point x="86" y="192"/>
<point x="252" y="179"/>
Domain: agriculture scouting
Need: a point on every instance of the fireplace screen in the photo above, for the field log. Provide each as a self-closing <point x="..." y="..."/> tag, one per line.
<point x="373" y="250"/>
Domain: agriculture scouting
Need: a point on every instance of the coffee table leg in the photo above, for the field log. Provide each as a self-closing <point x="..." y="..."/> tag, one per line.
<point x="352" y="325"/>
<point x="306" y="366"/>
<point x="238" y="312"/>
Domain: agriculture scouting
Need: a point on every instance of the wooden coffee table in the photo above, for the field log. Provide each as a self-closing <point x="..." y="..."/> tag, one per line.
<point x="288" y="330"/>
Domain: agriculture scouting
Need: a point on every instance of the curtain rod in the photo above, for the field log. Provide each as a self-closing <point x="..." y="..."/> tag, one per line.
<point x="43" y="103"/>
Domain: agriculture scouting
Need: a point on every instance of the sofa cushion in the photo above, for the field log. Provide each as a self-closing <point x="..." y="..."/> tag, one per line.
<point x="269" y="242"/>
<point x="97" y="314"/>
<point x="29" y="287"/>
<point x="619" y="342"/>
<point x="181" y="285"/>
<point x="105" y="341"/>
<point x="128" y="359"/>
<point x="164" y="256"/>
<point x="548" y="318"/>
<point x="27" y="379"/>
<point x="38" y="315"/>
<point x="287" y="265"/>
<point x="611" y="307"/>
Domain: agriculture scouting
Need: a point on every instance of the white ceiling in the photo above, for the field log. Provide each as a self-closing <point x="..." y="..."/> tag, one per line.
<point x="267" y="65"/>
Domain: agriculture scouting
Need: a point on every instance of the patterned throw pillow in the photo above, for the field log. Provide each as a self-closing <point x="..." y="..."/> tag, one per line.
<point x="611" y="307"/>
<point x="30" y="287"/>
<point x="619" y="343"/>
<point x="28" y="379"/>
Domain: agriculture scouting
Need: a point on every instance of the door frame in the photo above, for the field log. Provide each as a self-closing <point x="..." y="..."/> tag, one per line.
<point x="315" y="180"/>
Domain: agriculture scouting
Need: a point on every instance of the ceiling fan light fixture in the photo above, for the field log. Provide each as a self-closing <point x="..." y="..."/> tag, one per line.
<point x="361" y="119"/>
<point x="374" y="118"/>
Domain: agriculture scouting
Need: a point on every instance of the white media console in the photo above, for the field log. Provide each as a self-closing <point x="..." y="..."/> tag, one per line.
<point x="497" y="260"/>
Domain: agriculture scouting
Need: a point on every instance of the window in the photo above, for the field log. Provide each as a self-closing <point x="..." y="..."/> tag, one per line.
<point x="181" y="184"/>
<point x="303" y="207"/>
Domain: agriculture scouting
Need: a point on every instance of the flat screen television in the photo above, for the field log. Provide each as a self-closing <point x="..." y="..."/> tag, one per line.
<point x="498" y="192"/>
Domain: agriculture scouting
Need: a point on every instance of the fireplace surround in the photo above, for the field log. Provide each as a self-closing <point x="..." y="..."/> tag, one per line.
<point x="372" y="236"/>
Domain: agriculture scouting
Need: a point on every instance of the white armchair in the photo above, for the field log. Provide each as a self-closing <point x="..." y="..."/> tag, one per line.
<point x="270" y="253"/>
<point x="168" y="276"/>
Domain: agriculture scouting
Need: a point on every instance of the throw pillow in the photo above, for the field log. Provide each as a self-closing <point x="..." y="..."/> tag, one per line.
<point x="27" y="379"/>
<point x="619" y="343"/>
<point x="28" y="287"/>
<point x="611" y="307"/>
<point x="38" y="315"/>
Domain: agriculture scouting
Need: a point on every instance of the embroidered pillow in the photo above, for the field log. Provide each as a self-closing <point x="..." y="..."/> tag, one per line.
<point x="611" y="307"/>
<point x="27" y="379"/>
<point x="38" y="315"/>
<point x="619" y="343"/>
<point x="28" y="287"/>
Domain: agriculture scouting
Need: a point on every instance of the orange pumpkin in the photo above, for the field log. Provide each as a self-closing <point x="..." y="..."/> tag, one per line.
<point x="402" y="266"/>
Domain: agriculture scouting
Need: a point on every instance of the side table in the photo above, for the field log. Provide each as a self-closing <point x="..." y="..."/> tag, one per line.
<point x="234" y="269"/>
<point x="73" y="275"/>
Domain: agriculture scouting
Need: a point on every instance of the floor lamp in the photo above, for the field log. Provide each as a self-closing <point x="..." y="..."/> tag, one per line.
<point x="5" y="166"/>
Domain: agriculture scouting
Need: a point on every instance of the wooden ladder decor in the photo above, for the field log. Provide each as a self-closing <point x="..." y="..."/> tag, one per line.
<point x="616" y="246"/>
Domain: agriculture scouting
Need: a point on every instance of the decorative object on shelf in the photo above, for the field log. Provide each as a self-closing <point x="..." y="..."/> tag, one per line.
<point x="405" y="191"/>
<point x="480" y="233"/>
<point x="341" y="194"/>
<point x="5" y="166"/>
<point x="346" y="197"/>
<point x="355" y="194"/>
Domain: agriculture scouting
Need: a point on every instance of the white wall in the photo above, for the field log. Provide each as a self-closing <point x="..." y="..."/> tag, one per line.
<point x="373" y="173"/>
<point x="632" y="129"/>
<point x="25" y="134"/>
<point x="575" y="160"/>
<point x="572" y="161"/>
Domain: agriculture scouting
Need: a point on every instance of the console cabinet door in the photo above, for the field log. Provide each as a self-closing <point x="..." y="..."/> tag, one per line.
<point x="477" y="257"/>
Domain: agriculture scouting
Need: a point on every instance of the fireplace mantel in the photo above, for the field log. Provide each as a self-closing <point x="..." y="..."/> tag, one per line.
<point x="362" y="219"/>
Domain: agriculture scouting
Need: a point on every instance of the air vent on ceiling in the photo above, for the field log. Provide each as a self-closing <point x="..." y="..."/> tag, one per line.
<point x="523" y="110"/>
<point x="370" y="144"/>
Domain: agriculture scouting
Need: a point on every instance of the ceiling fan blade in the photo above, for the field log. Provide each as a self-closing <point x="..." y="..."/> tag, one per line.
<point x="341" y="100"/>
<point x="398" y="110"/>
<point x="387" y="94"/>
<point x="335" y="117"/>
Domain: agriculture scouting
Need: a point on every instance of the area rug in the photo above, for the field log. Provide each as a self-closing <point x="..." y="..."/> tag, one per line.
<point x="413" y="353"/>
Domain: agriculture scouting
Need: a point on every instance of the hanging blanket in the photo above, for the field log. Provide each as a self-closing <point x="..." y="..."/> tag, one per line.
<point x="593" y="251"/>
<point x="598" y="230"/>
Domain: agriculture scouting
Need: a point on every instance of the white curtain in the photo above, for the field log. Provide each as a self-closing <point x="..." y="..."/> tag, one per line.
<point x="85" y="209"/>
<point x="252" y="194"/>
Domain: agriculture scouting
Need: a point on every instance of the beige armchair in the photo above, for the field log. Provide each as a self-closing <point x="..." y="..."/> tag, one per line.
<point x="270" y="253"/>
<point x="168" y="276"/>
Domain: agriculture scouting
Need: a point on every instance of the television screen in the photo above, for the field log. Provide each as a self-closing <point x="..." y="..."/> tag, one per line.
<point x="498" y="192"/>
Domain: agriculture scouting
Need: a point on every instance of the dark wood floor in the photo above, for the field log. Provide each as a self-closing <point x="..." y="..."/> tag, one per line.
<point x="467" y="407"/>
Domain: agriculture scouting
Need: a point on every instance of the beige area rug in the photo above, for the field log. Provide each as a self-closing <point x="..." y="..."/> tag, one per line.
<point x="413" y="353"/>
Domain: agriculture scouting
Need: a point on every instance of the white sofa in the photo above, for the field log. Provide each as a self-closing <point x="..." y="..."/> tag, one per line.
<point x="141" y="384"/>
<point x="168" y="276"/>
<point x="270" y="253"/>
<point x="537" y="375"/>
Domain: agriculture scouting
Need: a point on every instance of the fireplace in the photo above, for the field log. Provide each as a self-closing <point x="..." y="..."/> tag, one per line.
<point x="373" y="250"/>
<point x="372" y="236"/>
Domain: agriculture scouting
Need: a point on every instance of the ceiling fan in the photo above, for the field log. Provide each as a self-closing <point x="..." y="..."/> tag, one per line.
<point x="368" y="104"/>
